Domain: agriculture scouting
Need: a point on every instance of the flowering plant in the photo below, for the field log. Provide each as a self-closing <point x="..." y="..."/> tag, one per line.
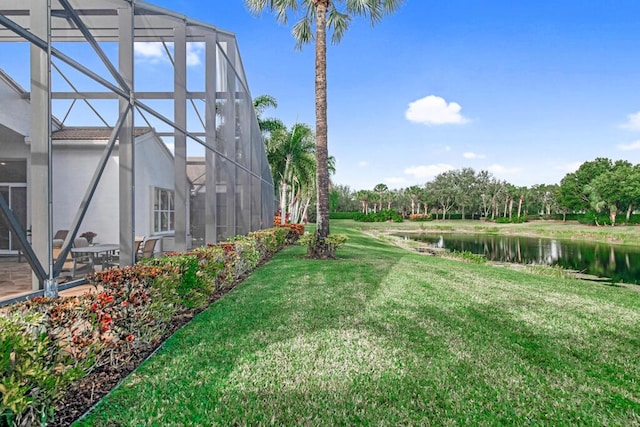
<point x="89" y="235"/>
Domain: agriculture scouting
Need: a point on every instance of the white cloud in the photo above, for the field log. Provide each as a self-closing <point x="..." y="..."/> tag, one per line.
<point x="363" y="164"/>
<point x="150" y="51"/>
<point x="633" y="122"/>
<point x="433" y="110"/>
<point x="629" y="147"/>
<point x="470" y="155"/>
<point x="502" y="170"/>
<point x="447" y="148"/>
<point x="568" y="167"/>
<point x="154" y="52"/>
<point x="394" y="180"/>
<point x="194" y="51"/>
<point x="428" y="171"/>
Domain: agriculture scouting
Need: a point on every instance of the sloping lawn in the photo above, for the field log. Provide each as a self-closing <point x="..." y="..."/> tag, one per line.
<point x="383" y="336"/>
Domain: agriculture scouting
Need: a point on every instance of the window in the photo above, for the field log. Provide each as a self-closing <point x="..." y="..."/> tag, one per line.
<point x="163" y="210"/>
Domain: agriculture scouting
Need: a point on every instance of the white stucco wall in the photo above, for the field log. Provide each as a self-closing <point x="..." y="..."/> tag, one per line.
<point x="154" y="168"/>
<point x="15" y="112"/>
<point x="12" y="145"/>
<point x="73" y="166"/>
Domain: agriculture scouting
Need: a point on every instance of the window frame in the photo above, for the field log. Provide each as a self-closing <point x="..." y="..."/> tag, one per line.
<point x="163" y="211"/>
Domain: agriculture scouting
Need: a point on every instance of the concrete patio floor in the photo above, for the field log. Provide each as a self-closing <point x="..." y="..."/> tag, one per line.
<point x="15" y="280"/>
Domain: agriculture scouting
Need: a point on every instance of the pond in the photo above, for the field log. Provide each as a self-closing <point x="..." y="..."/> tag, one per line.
<point x="620" y="263"/>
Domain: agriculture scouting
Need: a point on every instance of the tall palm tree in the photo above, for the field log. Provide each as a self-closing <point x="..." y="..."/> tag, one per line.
<point x="336" y="16"/>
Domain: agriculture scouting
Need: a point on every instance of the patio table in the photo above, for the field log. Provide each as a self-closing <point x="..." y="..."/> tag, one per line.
<point x="101" y="253"/>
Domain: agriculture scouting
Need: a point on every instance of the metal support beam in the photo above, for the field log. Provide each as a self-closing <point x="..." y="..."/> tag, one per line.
<point x="41" y="43"/>
<point x="180" y="139"/>
<point x="39" y="175"/>
<point x="96" y="47"/>
<point x="229" y="138"/>
<point x="211" y="195"/>
<point x="126" y="147"/>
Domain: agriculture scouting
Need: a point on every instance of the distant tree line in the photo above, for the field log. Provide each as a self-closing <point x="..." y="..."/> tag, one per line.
<point x="601" y="190"/>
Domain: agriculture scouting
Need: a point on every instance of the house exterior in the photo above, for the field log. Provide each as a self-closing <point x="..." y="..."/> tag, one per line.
<point x="76" y="153"/>
<point x="118" y="179"/>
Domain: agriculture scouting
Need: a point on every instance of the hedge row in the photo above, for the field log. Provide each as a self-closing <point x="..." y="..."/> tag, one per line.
<point x="343" y="215"/>
<point x="590" y="218"/>
<point x="380" y="216"/>
<point x="48" y="344"/>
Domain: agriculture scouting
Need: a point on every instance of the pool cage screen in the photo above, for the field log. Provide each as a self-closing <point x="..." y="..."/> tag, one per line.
<point x="223" y="183"/>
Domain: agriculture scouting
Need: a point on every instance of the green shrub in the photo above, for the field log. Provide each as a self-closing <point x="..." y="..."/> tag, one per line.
<point x="593" y="218"/>
<point x="46" y="344"/>
<point x="34" y="372"/>
<point x="269" y="241"/>
<point x="333" y="241"/>
<point x="512" y="220"/>
<point x="343" y="215"/>
<point x="548" y="271"/>
<point x="211" y="263"/>
<point x="467" y="256"/>
<point x="181" y="281"/>
<point x="380" y="216"/>
<point x="420" y="217"/>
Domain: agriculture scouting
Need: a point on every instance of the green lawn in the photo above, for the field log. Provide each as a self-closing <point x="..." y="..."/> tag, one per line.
<point x="384" y="336"/>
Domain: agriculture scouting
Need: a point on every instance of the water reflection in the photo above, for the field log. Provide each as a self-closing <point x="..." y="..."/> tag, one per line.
<point x="620" y="263"/>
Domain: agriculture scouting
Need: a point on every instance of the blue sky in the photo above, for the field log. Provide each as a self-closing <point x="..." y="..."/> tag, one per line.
<point x="527" y="90"/>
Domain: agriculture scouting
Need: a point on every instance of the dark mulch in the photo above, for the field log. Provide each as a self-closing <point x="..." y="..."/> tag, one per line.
<point x="88" y="391"/>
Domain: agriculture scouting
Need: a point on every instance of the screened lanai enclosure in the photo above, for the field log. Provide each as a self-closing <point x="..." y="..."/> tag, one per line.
<point x="127" y="119"/>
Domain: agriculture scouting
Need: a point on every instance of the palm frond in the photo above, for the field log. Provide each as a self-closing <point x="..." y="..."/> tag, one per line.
<point x="302" y="32"/>
<point x="256" y="7"/>
<point x="338" y="23"/>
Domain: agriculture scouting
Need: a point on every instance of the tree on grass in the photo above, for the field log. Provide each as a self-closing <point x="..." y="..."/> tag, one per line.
<point x="335" y="16"/>
<point x="291" y="156"/>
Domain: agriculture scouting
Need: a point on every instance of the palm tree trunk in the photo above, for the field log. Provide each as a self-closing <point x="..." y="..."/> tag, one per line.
<point x="283" y="202"/>
<point x="520" y="204"/>
<point x="320" y="249"/>
<point x="303" y="217"/>
<point x="283" y="194"/>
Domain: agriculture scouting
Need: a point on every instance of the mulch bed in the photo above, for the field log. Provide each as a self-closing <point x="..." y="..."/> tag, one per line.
<point x="88" y="391"/>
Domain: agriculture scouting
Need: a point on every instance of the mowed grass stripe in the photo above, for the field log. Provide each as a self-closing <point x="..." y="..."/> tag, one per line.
<point x="383" y="336"/>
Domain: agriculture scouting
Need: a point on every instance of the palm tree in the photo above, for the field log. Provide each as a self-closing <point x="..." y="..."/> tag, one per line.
<point x="269" y="124"/>
<point x="324" y="14"/>
<point x="364" y="196"/>
<point x="414" y="193"/>
<point x="381" y="189"/>
<point x="291" y="155"/>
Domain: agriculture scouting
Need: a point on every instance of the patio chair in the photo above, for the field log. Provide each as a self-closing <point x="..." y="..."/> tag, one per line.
<point x="114" y="260"/>
<point x="60" y="235"/>
<point x="148" y="248"/>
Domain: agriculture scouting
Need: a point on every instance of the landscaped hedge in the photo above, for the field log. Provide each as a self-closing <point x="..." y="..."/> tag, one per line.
<point x="343" y="215"/>
<point x="602" y="218"/>
<point x="380" y="216"/>
<point x="48" y="344"/>
<point x="420" y="217"/>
